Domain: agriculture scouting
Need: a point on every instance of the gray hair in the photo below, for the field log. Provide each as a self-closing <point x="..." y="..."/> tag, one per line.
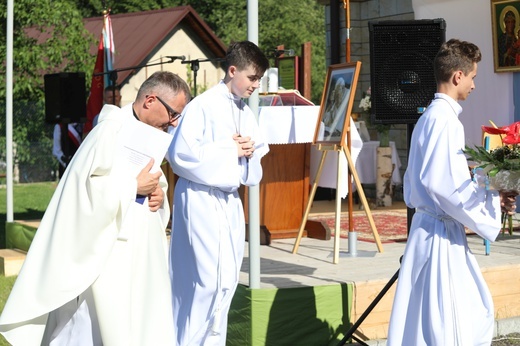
<point x="164" y="82"/>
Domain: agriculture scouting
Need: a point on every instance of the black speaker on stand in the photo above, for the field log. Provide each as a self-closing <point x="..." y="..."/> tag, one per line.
<point x="401" y="68"/>
<point x="65" y="97"/>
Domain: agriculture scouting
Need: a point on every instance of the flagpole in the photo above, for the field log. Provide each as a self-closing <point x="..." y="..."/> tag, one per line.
<point x="104" y="62"/>
<point x="9" y="116"/>
<point x="253" y="191"/>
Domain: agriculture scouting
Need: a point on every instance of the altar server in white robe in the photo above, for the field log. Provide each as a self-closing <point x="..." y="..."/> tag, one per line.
<point x="441" y="296"/>
<point x="216" y="148"/>
<point x="97" y="270"/>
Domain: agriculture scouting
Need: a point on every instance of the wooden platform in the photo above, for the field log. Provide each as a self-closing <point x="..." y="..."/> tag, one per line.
<point x="370" y="271"/>
<point x="11" y="261"/>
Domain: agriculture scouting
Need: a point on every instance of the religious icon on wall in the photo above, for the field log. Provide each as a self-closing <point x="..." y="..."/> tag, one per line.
<point x="506" y="34"/>
<point x="336" y="103"/>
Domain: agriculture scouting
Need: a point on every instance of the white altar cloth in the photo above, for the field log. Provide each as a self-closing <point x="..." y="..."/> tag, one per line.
<point x="288" y="124"/>
<point x="297" y="124"/>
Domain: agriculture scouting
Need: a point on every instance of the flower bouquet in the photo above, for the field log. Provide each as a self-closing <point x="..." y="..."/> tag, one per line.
<point x="366" y="102"/>
<point x="501" y="165"/>
<point x="382" y="129"/>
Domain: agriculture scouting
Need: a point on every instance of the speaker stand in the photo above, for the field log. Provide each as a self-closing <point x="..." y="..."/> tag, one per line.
<point x="350" y="333"/>
<point x="409" y="211"/>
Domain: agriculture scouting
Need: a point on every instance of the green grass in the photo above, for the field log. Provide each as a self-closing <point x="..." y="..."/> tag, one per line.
<point x="29" y="203"/>
<point x="29" y="200"/>
<point x="6" y="283"/>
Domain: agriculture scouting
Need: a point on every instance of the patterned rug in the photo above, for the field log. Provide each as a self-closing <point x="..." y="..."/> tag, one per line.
<point x="391" y="225"/>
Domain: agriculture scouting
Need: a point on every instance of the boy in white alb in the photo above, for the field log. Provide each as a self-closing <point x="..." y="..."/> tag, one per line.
<point x="441" y="296"/>
<point x="216" y="148"/>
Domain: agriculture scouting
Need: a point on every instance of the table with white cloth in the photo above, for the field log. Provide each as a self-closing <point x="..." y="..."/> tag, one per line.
<point x="285" y="186"/>
<point x="366" y="164"/>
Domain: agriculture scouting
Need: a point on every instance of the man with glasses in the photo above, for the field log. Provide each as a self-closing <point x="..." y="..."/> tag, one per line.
<point x="83" y="282"/>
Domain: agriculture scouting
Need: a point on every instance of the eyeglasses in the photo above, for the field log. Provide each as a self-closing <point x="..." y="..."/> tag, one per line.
<point x="172" y="113"/>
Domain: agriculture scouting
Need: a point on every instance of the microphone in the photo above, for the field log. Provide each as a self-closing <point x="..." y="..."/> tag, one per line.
<point x="181" y="57"/>
<point x="289" y="52"/>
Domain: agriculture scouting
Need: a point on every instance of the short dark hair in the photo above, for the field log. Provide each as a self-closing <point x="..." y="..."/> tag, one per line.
<point x="244" y="54"/>
<point x="455" y="55"/>
<point x="164" y="82"/>
<point x="112" y="87"/>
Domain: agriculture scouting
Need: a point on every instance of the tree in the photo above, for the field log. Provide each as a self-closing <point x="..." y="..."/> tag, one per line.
<point x="62" y="46"/>
<point x="94" y="8"/>
<point x="290" y="23"/>
<point x="64" y="43"/>
<point x="278" y="26"/>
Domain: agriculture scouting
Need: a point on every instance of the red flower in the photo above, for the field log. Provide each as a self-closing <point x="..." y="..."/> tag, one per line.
<point x="512" y="132"/>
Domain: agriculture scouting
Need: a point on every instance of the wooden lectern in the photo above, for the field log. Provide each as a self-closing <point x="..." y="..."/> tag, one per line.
<point x="284" y="191"/>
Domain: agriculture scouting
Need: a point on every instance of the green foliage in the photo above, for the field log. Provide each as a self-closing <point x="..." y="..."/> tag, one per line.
<point x="63" y="45"/>
<point x="33" y="138"/>
<point x="505" y="158"/>
<point x="67" y="47"/>
<point x="94" y="8"/>
<point x="228" y="19"/>
<point x="277" y="27"/>
<point x="191" y="82"/>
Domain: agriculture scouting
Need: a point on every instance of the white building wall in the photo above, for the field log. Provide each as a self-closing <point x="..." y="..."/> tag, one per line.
<point x="181" y="42"/>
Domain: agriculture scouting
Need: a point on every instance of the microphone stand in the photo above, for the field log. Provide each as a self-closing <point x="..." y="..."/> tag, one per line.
<point x="113" y="73"/>
<point x="195" y="68"/>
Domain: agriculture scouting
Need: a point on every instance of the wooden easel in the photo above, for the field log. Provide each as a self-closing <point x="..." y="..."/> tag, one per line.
<point x="351" y="172"/>
<point x="352" y="169"/>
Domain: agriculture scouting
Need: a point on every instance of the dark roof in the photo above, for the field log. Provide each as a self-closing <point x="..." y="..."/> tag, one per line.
<point x="136" y="35"/>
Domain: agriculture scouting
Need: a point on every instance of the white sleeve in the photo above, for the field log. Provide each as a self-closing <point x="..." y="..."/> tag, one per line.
<point x="56" y="145"/>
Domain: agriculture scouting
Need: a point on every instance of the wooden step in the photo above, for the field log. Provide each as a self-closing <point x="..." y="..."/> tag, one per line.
<point x="11" y="261"/>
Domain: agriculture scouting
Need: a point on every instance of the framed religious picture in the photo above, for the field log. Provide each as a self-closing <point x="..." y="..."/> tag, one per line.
<point x="505" y="22"/>
<point x="336" y="103"/>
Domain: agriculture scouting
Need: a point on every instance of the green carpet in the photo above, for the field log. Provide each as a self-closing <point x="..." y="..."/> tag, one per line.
<point x="292" y="316"/>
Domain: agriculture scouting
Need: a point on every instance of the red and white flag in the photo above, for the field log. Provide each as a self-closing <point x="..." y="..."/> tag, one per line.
<point x="104" y="63"/>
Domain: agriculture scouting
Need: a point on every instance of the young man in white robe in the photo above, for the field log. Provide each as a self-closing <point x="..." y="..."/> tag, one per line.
<point x="97" y="270"/>
<point x="216" y="148"/>
<point x="441" y="296"/>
